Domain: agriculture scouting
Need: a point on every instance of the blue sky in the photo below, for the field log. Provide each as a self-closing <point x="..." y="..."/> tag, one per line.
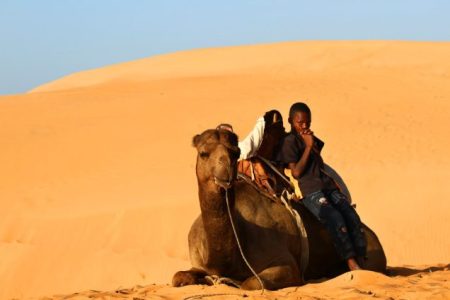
<point x="42" y="40"/>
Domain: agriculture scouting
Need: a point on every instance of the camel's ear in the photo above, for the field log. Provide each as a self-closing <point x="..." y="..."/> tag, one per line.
<point x="195" y="140"/>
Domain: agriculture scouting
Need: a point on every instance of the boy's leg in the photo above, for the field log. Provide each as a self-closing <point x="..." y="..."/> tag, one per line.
<point x="319" y="206"/>
<point x="340" y="202"/>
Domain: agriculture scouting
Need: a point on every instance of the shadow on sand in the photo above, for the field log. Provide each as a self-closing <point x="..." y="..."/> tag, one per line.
<point x="408" y="271"/>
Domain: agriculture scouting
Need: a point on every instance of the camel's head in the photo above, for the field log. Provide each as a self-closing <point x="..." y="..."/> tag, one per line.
<point x="217" y="157"/>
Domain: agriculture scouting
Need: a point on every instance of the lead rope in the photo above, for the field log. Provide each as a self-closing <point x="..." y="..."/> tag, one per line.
<point x="243" y="257"/>
<point x="239" y="244"/>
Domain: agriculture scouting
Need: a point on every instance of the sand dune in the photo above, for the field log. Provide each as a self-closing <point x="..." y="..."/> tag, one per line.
<point x="97" y="179"/>
<point x="418" y="284"/>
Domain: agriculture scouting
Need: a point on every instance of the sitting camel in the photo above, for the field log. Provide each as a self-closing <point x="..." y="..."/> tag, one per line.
<point x="267" y="233"/>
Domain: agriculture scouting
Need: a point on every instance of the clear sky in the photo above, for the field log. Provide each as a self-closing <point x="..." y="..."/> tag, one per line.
<point x="42" y="40"/>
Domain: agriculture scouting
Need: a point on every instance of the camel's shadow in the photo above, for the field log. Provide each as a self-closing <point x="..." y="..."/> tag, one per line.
<point x="408" y="271"/>
<point x="396" y="272"/>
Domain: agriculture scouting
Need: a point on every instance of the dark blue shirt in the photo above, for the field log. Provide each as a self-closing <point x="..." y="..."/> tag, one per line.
<point x="313" y="178"/>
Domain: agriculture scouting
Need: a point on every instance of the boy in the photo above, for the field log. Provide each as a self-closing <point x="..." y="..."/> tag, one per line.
<point x="300" y="152"/>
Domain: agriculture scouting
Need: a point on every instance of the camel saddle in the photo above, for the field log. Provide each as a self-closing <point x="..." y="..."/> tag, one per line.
<point x="265" y="176"/>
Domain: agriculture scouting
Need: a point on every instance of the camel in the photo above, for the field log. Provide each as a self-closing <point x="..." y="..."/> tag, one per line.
<point x="268" y="235"/>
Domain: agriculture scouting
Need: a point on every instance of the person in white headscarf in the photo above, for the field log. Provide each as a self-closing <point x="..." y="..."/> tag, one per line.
<point x="258" y="149"/>
<point x="264" y="137"/>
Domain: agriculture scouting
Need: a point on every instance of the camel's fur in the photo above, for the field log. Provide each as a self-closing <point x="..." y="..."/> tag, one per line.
<point x="267" y="232"/>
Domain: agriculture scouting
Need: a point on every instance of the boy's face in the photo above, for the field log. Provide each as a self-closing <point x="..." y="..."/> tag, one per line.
<point x="301" y="121"/>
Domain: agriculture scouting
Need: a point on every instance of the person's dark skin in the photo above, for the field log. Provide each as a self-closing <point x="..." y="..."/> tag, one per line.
<point x="301" y="122"/>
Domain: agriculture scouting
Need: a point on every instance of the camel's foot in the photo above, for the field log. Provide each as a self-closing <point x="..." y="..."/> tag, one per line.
<point x="274" y="278"/>
<point x="193" y="276"/>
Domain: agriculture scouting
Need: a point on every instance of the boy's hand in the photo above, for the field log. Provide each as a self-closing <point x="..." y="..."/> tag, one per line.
<point x="308" y="137"/>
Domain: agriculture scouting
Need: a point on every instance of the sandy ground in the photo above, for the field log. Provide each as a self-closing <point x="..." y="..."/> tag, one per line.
<point x="402" y="283"/>
<point x="97" y="183"/>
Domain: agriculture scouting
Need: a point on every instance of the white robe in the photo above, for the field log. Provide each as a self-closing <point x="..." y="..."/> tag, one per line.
<point x="253" y="141"/>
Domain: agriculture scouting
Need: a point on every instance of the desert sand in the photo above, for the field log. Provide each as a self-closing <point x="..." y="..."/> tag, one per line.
<point x="97" y="182"/>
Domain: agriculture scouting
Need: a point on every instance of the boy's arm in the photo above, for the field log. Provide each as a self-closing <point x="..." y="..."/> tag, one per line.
<point x="297" y="168"/>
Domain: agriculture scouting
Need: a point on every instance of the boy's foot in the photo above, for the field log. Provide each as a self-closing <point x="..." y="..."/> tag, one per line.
<point x="352" y="264"/>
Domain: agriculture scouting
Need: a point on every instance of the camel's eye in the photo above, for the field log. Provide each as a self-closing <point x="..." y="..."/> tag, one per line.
<point x="204" y="154"/>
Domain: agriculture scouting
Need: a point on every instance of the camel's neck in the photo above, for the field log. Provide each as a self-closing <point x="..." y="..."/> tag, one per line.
<point x="221" y="243"/>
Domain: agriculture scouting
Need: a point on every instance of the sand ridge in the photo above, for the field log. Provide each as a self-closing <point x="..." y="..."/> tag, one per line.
<point x="97" y="184"/>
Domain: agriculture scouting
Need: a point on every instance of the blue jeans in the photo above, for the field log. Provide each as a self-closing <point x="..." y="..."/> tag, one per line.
<point x="333" y="210"/>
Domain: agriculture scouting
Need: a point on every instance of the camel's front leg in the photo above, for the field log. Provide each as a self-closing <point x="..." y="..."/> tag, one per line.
<point x="274" y="278"/>
<point x="192" y="276"/>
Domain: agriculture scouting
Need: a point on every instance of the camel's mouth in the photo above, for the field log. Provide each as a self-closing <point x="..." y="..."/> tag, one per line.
<point x="222" y="183"/>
